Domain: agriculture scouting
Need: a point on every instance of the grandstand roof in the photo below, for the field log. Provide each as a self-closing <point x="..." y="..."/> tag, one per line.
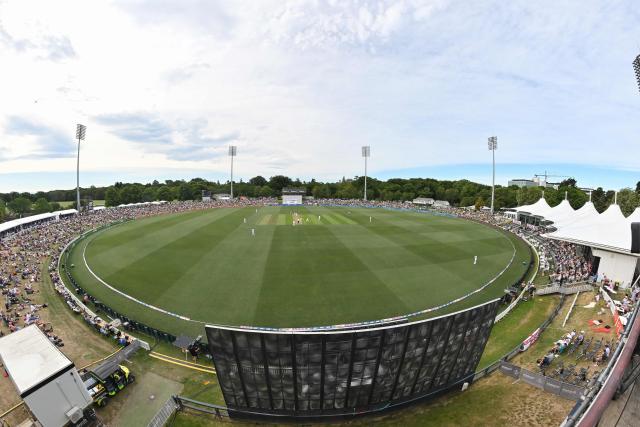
<point x="635" y="216"/>
<point x="561" y="213"/>
<point x="541" y="207"/>
<point x="609" y="230"/>
<point x="16" y="223"/>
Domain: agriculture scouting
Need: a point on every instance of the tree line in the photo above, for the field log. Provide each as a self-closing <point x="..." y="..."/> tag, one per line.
<point x="457" y="192"/>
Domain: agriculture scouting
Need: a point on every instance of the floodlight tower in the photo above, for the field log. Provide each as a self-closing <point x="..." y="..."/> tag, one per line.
<point x="636" y="67"/>
<point x="493" y="146"/>
<point x="233" y="151"/>
<point x="81" y="131"/>
<point x="366" y="153"/>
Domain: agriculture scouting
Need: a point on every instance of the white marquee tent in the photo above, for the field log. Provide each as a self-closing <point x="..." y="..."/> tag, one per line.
<point x="608" y="234"/>
<point x="561" y="213"/>
<point x="609" y="230"/>
<point x="540" y="208"/>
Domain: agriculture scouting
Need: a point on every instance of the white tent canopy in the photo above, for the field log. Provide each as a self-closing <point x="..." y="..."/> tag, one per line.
<point x="541" y="208"/>
<point x="608" y="234"/>
<point x="609" y="230"/>
<point x="560" y="213"/>
<point x="635" y="216"/>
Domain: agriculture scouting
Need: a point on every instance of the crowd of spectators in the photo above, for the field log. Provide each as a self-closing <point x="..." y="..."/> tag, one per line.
<point x="23" y="252"/>
<point x="361" y="203"/>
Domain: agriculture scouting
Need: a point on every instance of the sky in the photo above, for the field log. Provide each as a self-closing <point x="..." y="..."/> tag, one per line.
<point x="164" y="87"/>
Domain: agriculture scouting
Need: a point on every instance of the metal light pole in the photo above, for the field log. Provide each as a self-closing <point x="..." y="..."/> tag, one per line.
<point x="366" y="153"/>
<point x="81" y="131"/>
<point x="233" y="151"/>
<point x="493" y="146"/>
<point x="636" y="67"/>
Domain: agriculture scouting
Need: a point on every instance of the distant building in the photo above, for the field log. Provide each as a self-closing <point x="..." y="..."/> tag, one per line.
<point x="441" y="204"/>
<point x="523" y="183"/>
<point x="222" y="196"/>
<point x="206" y="196"/>
<point x="535" y="182"/>
<point x="424" y="201"/>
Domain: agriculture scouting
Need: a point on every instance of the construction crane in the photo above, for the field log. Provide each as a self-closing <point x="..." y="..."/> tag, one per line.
<point x="545" y="175"/>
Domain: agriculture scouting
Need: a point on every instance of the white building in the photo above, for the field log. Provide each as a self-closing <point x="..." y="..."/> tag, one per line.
<point x="441" y="204"/>
<point x="423" y="201"/>
<point x="46" y="380"/>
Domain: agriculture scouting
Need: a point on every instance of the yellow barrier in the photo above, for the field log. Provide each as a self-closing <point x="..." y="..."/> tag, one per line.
<point x="8" y="411"/>
<point x="182" y="361"/>
<point x="184" y="364"/>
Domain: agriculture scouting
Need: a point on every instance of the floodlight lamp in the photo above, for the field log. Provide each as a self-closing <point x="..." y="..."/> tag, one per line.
<point x="636" y="67"/>
<point x="492" y="144"/>
<point x="233" y="150"/>
<point x="366" y="151"/>
<point x="81" y="131"/>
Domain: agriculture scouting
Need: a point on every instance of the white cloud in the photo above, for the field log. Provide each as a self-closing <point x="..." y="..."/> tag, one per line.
<point x="300" y="85"/>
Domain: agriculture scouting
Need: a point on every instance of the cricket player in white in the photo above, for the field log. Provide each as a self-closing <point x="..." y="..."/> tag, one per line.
<point x="253" y="232"/>
<point x="475" y="260"/>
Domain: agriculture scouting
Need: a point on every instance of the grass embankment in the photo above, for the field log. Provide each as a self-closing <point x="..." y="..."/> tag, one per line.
<point x="516" y="326"/>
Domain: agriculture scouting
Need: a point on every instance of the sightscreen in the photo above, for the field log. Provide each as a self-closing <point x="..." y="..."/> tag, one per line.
<point x="340" y="372"/>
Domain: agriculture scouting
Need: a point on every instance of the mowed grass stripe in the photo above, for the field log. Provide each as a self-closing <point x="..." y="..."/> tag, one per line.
<point x="390" y="262"/>
<point x="125" y="305"/>
<point x="424" y="274"/>
<point x="303" y="267"/>
<point x="265" y="219"/>
<point x="451" y="265"/>
<point x="299" y="276"/>
<point x="138" y="241"/>
<point x="148" y="276"/>
<point x="342" y="218"/>
<point x="235" y="301"/>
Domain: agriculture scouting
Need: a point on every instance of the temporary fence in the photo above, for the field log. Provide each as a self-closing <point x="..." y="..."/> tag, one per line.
<point x="560" y="388"/>
<point x="565" y="289"/>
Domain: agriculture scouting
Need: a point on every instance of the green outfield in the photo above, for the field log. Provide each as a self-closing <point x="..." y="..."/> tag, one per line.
<point x="335" y="266"/>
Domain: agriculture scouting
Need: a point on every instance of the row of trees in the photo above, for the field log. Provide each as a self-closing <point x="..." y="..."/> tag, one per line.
<point x="458" y="193"/>
<point x="22" y="205"/>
